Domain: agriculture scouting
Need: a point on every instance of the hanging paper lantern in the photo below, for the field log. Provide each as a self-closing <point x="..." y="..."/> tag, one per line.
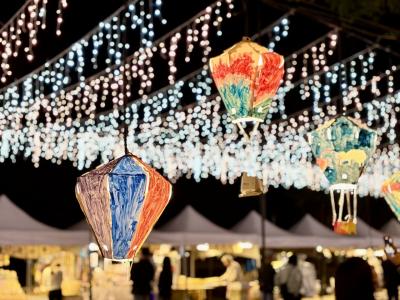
<point x="391" y="192"/>
<point x="122" y="200"/>
<point x="247" y="77"/>
<point x="342" y="148"/>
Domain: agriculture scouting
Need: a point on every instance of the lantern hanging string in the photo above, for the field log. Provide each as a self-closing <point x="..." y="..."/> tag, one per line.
<point x="125" y="89"/>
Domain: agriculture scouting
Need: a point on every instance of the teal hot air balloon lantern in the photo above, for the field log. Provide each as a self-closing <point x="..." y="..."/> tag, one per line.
<point x="342" y="148"/>
<point x="121" y="201"/>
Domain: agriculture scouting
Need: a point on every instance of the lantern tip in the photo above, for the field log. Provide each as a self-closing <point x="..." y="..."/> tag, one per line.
<point x="246" y="39"/>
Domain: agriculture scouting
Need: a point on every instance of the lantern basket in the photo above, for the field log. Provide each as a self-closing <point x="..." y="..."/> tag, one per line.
<point x="347" y="193"/>
<point x="250" y="186"/>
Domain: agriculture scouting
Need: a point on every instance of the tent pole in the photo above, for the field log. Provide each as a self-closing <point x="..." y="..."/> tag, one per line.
<point x="185" y="270"/>
<point x="29" y="275"/>
<point x="263" y="217"/>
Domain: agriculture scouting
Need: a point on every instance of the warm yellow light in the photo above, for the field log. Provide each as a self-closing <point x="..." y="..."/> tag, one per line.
<point x="203" y="247"/>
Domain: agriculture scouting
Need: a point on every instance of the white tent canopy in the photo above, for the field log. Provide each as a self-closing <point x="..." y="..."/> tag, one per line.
<point x="317" y="234"/>
<point x="309" y="226"/>
<point x="80" y="226"/>
<point x="366" y="231"/>
<point x="392" y="228"/>
<point x="252" y="224"/>
<point x="190" y="227"/>
<point x="367" y="236"/>
<point x="313" y="233"/>
<point x="18" y="228"/>
<point x="275" y="236"/>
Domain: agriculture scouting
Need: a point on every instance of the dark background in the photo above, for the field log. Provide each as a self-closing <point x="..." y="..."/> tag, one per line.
<point x="47" y="192"/>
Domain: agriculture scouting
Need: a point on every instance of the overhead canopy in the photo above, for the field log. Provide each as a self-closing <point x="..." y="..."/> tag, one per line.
<point x="275" y="236"/>
<point x="315" y="233"/>
<point x="367" y="236"/>
<point x="18" y="228"/>
<point x="190" y="227"/>
<point x="364" y="230"/>
<point x="308" y="226"/>
<point x="392" y="228"/>
<point x="80" y="226"/>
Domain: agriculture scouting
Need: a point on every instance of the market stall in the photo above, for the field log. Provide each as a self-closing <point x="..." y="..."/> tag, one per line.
<point x="42" y="247"/>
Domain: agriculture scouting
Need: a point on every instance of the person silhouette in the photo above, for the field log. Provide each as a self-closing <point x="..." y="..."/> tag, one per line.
<point x="142" y="275"/>
<point x="354" y="280"/>
<point x="165" y="280"/>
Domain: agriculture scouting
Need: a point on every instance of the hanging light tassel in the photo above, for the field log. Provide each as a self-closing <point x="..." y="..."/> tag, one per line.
<point x="355" y="207"/>
<point x="344" y="225"/>
<point x="341" y="203"/>
<point x="334" y="214"/>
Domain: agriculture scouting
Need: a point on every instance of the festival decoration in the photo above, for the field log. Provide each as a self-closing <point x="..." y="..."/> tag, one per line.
<point x="391" y="193"/>
<point x="250" y="186"/>
<point x="342" y="148"/>
<point x="247" y="77"/>
<point x="122" y="200"/>
<point x="199" y="140"/>
<point x="20" y="34"/>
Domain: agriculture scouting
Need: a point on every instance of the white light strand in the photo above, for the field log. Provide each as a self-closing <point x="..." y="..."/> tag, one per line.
<point x="20" y="34"/>
<point x="66" y="106"/>
<point x="76" y="62"/>
<point x="197" y="142"/>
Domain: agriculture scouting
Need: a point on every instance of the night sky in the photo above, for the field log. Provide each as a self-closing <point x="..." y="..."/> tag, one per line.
<point x="47" y="193"/>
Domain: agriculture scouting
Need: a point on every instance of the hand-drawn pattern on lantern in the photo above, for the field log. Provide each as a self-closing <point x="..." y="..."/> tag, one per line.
<point x="342" y="148"/>
<point x="122" y="200"/>
<point x="391" y="193"/>
<point x="247" y="77"/>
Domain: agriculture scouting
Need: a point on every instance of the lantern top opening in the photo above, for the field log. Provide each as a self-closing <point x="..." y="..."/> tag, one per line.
<point x="247" y="119"/>
<point x="343" y="187"/>
<point x="123" y="165"/>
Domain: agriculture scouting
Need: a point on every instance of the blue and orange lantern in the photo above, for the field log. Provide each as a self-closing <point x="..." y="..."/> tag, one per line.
<point x="342" y="148"/>
<point x="122" y="200"/>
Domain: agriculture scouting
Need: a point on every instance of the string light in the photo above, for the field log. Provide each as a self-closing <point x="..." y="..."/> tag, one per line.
<point x="77" y="62"/>
<point x="20" y="33"/>
<point x="200" y="141"/>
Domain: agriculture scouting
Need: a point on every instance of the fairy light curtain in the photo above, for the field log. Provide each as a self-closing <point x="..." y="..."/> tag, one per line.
<point x="342" y="148"/>
<point x="122" y="200"/>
